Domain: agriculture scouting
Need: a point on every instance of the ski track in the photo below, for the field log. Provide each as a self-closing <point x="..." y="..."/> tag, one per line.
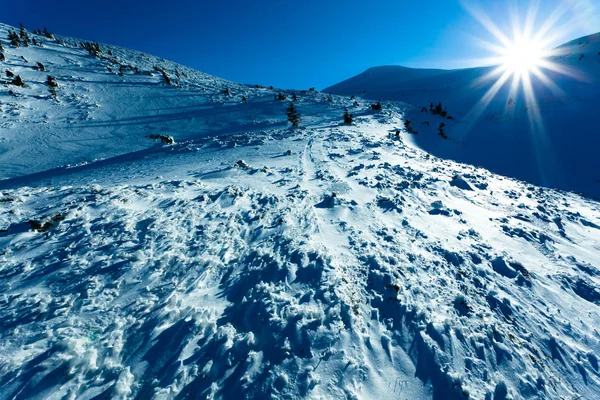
<point x="335" y="262"/>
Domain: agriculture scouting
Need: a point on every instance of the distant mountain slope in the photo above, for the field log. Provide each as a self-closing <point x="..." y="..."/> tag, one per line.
<point x="562" y="153"/>
<point x="107" y="104"/>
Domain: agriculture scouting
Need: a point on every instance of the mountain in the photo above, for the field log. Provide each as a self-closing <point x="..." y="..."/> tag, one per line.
<point x="559" y="151"/>
<point x="247" y="258"/>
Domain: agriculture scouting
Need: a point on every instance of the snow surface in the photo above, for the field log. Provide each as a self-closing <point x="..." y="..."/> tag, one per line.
<point x="561" y="152"/>
<point x="253" y="260"/>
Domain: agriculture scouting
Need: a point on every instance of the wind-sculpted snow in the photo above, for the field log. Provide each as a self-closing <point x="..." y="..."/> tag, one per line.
<point x="256" y="260"/>
<point x="240" y="283"/>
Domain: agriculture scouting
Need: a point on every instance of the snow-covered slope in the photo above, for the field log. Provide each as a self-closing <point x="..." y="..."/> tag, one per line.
<point x="561" y="152"/>
<point x="254" y="260"/>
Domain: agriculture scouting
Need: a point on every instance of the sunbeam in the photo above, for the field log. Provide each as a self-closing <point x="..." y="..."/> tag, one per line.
<point x="523" y="58"/>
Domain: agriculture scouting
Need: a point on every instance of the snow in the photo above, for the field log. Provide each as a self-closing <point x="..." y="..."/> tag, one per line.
<point x="253" y="260"/>
<point x="559" y="152"/>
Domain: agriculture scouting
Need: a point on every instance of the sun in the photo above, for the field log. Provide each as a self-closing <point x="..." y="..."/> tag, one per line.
<point x="522" y="56"/>
<point x="521" y="63"/>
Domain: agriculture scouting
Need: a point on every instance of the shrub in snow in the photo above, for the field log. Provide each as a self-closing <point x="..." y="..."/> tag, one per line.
<point x="51" y="81"/>
<point x="376" y="107"/>
<point x="92" y="48"/>
<point x="242" y="164"/>
<point x="409" y="128"/>
<point x="18" y="81"/>
<point x="166" y="77"/>
<point x="2" y="57"/>
<point x="438" y="109"/>
<point x="293" y="115"/>
<point x="280" y="96"/>
<point x="24" y="36"/>
<point x="348" y="118"/>
<point x="441" y="130"/>
<point x="226" y="92"/>
<point x="41" y="67"/>
<point x="294" y="97"/>
<point x="44" y="225"/>
<point x="244" y="99"/>
<point x="9" y="74"/>
<point x="48" y="34"/>
<point x="13" y="38"/>
<point x="1" y="46"/>
<point x="165" y="139"/>
<point x="312" y="89"/>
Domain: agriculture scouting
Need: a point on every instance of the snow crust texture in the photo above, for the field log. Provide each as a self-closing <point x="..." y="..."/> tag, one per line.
<point x="253" y="260"/>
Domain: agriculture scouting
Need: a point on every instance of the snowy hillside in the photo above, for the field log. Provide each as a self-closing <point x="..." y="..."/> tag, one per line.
<point x="562" y="152"/>
<point x="252" y="259"/>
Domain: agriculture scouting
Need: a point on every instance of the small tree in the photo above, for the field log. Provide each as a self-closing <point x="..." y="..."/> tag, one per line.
<point x="2" y="57"/>
<point x="441" y="131"/>
<point x="51" y="81"/>
<point x="166" y="77"/>
<point x="409" y="128"/>
<point x="376" y="107"/>
<point x="1" y="46"/>
<point x="41" y="67"/>
<point x="13" y="38"/>
<point x="18" y="81"/>
<point x="293" y="115"/>
<point x="24" y="36"/>
<point x="280" y="96"/>
<point x="48" y="34"/>
<point x="244" y="99"/>
<point x="348" y="120"/>
<point x="294" y="97"/>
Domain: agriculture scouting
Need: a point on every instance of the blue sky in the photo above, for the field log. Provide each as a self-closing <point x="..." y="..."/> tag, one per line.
<point x="295" y="44"/>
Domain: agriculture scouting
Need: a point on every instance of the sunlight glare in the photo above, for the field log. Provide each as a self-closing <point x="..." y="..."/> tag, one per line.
<point x="522" y="56"/>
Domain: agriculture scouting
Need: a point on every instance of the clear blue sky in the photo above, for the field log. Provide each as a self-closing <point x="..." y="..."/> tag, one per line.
<point x="291" y="44"/>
